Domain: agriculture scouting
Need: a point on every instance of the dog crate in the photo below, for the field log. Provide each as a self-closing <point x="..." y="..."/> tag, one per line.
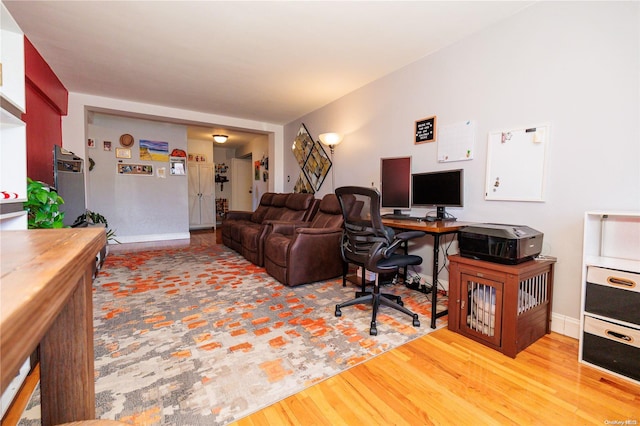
<point x="506" y="307"/>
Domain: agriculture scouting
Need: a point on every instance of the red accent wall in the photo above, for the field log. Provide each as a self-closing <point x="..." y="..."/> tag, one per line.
<point x="46" y="103"/>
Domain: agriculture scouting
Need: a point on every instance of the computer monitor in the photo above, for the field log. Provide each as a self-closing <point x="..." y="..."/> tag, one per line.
<point x="395" y="183"/>
<point x="438" y="189"/>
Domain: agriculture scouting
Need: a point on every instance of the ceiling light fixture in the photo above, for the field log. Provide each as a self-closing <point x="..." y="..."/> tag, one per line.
<point x="220" y="138"/>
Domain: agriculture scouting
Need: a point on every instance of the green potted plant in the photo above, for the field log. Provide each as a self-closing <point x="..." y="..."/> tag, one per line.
<point x="43" y="206"/>
<point x="96" y="219"/>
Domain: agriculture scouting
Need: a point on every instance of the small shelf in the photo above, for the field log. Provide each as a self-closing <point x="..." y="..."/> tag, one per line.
<point x="613" y="263"/>
<point x="12" y="88"/>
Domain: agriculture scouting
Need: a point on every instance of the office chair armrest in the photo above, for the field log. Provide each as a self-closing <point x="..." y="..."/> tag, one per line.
<point x="409" y="235"/>
<point x="388" y="251"/>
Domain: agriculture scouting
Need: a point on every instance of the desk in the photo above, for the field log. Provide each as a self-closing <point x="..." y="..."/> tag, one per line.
<point x="435" y="229"/>
<point x="46" y="299"/>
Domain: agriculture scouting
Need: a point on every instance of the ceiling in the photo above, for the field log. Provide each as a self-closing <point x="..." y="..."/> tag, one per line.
<point x="269" y="61"/>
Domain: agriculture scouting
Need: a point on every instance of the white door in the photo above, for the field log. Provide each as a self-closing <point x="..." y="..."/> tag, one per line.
<point x="241" y="184"/>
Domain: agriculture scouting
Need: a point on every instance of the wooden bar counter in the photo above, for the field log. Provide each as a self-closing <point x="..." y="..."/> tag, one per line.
<point x="46" y="299"/>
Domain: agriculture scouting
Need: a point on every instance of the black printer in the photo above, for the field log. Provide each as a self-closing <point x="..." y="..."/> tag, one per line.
<point x="494" y="242"/>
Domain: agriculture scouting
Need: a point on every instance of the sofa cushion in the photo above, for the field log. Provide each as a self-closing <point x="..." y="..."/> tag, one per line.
<point x="278" y="206"/>
<point x="296" y="207"/>
<point x="265" y="203"/>
<point x="329" y="213"/>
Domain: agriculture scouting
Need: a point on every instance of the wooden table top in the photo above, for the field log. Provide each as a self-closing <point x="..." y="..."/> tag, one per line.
<point x="438" y="227"/>
<point x="40" y="269"/>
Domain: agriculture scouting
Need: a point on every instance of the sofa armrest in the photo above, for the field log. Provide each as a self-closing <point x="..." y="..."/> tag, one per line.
<point x="318" y="249"/>
<point x="285" y="227"/>
<point x="319" y="231"/>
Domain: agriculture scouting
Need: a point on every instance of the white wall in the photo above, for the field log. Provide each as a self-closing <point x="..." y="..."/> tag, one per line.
<point x="138" y="207"/>
<point x="574" y="65"/>
<point x="258" y="149"/>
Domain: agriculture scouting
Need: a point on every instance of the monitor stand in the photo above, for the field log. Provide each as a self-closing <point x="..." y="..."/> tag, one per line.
<point x="398" y="213"/>
<point x="442" y="215"/>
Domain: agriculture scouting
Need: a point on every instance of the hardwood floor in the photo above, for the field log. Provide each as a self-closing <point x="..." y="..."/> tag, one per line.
<point x="446" y="379"/>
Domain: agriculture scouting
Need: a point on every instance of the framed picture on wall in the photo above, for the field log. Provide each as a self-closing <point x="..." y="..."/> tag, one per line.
<point x="135" y="169"/>
<point x="425" y="130"/>
<point x="123" y="153"/>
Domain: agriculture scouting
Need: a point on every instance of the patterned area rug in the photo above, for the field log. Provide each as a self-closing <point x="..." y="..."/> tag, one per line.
<point x="200" y="336"/>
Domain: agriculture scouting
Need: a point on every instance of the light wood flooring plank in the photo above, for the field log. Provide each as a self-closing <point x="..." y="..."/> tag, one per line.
<point x="444" y="378"/>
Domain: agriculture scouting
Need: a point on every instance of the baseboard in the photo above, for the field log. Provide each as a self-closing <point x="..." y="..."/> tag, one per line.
<point x="567" y="326"/>
<point x="152" y="237"/>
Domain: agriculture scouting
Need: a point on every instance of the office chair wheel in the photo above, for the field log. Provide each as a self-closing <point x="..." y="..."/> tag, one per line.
<point x="338" y="311"/>
<point x="416" y="321"/>
<point x="373" y="331"/>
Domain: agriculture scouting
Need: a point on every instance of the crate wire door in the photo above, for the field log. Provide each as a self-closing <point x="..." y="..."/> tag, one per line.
<point x="482" y="308"/>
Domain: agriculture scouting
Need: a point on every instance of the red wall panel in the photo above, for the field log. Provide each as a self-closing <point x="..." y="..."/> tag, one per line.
<point x="44" y="130"/>
<point x="46" y="99"/>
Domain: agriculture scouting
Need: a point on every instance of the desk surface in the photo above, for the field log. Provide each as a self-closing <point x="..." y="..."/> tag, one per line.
<point x="40" y="270"/>
<point x="439" y="227"/>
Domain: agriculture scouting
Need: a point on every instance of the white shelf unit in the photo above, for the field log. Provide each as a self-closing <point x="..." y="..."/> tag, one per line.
<point x="610" y="300"/>
<point x="12" y="58"/>
<point x="13" y="135"/>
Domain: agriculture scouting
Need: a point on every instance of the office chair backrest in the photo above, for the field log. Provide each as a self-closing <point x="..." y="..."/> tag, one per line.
<point x="362" y="227"/>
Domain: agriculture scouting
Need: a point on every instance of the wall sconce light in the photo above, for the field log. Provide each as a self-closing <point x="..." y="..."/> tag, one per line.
<point x="331" y="140"/>
<point x="220" y="138"/>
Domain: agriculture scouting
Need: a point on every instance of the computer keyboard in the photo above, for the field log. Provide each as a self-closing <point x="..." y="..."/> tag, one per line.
<point x="404" y="217"/>
<point x="395" y="216"/>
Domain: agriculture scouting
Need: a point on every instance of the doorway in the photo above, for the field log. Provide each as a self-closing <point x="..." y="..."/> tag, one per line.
<point x="241" y="184"/>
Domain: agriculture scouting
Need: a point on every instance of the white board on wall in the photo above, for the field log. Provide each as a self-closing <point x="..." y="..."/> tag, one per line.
<point x="455" y="141"/>
<point x="516" y="164"/>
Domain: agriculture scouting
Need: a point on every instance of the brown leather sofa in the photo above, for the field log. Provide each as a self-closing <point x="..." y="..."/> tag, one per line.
<point x="300" y="253"/>
<point x="244" y="231"/>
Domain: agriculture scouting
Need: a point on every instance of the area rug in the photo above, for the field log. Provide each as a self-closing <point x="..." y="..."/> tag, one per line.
<point x="200" y="336"/>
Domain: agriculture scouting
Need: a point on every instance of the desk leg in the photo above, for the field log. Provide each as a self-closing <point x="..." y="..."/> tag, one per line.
<point x="434" y="285"/>
<point x="67" y="379"/>
<point x="434" y="289"/>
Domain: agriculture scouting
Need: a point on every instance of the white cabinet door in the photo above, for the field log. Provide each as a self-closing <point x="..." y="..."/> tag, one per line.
<point x="194" y="194"/>
<point x="201" y="195"/>
<point x="207" y="196"/>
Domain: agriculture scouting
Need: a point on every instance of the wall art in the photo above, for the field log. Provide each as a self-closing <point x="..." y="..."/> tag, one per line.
<point x="426" y="130"/>
<point x="154" y="150"/>
<point x="312" y="159"/>
<point x="123" y="153"/>
<point x="302" y="185"/>
<point x="135" y="169"/>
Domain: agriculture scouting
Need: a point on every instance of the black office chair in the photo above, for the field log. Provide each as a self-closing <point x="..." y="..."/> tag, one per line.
<point x="368" y="242"/>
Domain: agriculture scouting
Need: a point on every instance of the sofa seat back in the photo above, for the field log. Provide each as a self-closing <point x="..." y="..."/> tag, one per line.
<point x="273" y="206"/>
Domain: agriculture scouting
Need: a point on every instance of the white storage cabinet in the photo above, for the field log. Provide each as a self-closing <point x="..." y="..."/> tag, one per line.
<point x="610" y="308"/>
<point x="202" y="213"/>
